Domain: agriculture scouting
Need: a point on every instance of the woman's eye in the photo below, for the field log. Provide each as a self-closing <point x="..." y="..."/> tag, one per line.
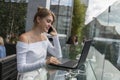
<point x="48" y="21"/>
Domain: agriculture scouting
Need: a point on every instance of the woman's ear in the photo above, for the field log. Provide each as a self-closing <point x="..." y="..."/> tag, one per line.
<point x="38" y="20"/>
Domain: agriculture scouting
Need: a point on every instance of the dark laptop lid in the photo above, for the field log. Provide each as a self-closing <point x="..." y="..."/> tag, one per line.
<point x="84" y="52"/>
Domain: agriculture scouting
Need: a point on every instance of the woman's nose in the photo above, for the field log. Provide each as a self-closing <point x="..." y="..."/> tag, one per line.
<point x="50" y="25"/>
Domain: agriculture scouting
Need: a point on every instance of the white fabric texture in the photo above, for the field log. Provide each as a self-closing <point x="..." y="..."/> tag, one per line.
<point x="32" y="56"/>
<point x="40" y="74"/>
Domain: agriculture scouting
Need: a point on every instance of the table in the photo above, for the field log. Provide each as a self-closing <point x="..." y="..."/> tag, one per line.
<point x="56" y="73"/>
<point x="66" y="74"/>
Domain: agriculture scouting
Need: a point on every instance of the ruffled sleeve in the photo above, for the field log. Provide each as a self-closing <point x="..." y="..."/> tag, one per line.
<point x="22" y="65"/>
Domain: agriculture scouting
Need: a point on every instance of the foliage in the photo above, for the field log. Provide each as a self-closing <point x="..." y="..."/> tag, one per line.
<point x="12" y="18"/>
<point x="74" y="51"/>
<point x="78" y="27"/>
<point x="78" y="19"/>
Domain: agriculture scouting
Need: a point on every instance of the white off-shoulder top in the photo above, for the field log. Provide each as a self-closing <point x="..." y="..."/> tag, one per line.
<point x="32" y="56"/>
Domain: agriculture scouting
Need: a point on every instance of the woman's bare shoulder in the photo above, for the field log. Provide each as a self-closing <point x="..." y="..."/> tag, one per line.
<point x="23" y="37"/>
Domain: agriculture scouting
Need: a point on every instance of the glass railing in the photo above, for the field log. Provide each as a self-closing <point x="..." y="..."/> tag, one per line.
<point x="102" y="68"/>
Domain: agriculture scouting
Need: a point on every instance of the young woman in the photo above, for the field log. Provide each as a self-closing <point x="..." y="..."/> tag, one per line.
<point x="33" y="46"/>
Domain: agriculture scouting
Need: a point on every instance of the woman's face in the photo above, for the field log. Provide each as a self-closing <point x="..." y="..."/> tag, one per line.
<point x="46" y="23"/>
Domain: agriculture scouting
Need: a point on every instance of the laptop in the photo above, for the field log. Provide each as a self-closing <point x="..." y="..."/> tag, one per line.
<point x="75" y="64"/>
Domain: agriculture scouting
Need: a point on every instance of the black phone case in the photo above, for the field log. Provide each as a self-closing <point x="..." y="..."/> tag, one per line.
<point x="50" y="29"/>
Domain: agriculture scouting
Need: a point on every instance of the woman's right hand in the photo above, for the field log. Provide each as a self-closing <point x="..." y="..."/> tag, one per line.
<point x="52" y="60"/>
<point x="54" y="32"/>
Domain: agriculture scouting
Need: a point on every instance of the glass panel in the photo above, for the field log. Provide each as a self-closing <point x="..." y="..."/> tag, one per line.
<point x="108" y="32"/>
<point x="66" y="2"/>
<point x="55" y="2"/>
<point x="96" y="62"/>
<point x="63" y="11"/>
<point x="105" y="31"/>
<point x="63" y="24"/>
<point x="55" y="9"/>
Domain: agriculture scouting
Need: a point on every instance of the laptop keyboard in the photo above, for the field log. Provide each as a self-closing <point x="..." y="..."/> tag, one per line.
<point x="69" y="63"/>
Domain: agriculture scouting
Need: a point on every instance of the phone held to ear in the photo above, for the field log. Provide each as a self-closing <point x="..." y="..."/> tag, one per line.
<point x="50" y="30"/>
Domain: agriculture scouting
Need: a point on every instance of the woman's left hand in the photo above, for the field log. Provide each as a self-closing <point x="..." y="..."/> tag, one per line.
<point x="52" y="60"/>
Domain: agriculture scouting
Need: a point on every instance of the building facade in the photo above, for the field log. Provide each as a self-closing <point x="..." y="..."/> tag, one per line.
<point x="63" y="11"/>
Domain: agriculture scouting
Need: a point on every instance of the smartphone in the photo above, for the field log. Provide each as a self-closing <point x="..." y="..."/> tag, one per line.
<point x="50" y="30"/>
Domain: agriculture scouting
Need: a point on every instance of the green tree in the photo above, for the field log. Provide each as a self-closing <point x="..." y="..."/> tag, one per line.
<point x="12" y="18"/>
<point x="78" y="27"/>
<point x="78" y="19"/>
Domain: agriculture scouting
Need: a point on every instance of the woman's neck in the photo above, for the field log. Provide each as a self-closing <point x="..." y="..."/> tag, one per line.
<point x="37" y="35"/>
<point x="37" y="31"/>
